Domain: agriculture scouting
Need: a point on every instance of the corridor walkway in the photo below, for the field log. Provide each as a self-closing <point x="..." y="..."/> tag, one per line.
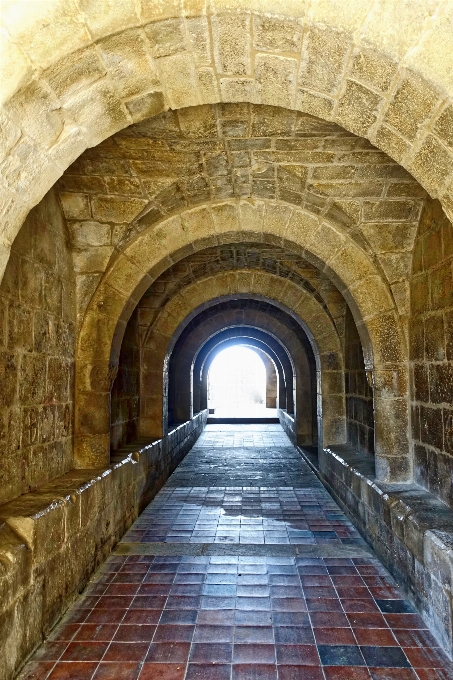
<point x="242" y="568"/>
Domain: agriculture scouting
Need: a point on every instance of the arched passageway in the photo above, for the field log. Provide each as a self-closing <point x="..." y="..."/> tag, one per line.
<point x="178" y="178"/>
<point x="237" y="383"/>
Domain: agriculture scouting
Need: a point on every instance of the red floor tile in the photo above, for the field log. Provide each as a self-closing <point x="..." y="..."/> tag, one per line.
<point x="117" y="671"/>
<point x="168" y="652"/>
<point x="126" y="651"/>
<point x="75" y="670"/>
<point x="137" y="633"/>
<point x="347" y="673"/>
<point x="299" y="673"/>
<point x="208" y="671"/>
<point x="334" y="636"/>
<point x="84" y="651"/>
<point x="254" y="672"/>
<point x="162" y="671"/>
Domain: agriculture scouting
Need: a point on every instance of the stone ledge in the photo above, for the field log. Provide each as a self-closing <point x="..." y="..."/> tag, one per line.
<point x="53" y="539"/>
<point x="410" y="529"/>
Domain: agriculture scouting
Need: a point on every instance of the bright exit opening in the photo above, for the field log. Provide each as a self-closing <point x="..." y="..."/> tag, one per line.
<point x="237" y="384"/>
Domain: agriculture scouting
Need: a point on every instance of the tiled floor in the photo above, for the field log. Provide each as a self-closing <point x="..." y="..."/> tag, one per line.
<point x="155" y="615"/>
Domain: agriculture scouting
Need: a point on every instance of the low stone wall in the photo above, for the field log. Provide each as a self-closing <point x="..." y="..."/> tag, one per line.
<point x="411" y="531"/>
<point x="52" y="540"/>
<point x="288" y="424"/>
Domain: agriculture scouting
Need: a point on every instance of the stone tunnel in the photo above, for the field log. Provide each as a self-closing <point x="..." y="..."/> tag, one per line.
<point x="180" y="177"/>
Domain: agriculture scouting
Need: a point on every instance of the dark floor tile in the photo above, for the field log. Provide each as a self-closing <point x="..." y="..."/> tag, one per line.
<point x="75" y="670"/>
<point x="415" y="638"/>
<point x="329" y="619"/>
<point x="385" y="657"/>
<point x="249" y="617"/>
<point x="84" y="651"/>
<point x="254" y="672"/>
<point x="396" y="674"/>
<point x="367" y="620"/>
<point x="304" y="655"/>
<point x="162" y="671"/>
<point x="208" y="671"/>
<point x="299" y="673"/>
<point x="173" y="633"/>
<point x="354" y="605"/>
<point x="346" y="673"/>
<point x="142" y="616"/>
<point x="211" y="652"/>
<point x="288" y="604"/>
<point x="205" y="633"/>
<point x="340" y="655"/>
<point x="296" y="635"/>
<point x="117" y="671"/>
<point x="253" y="653"/>
<point x="179" y="616"/>
<point x="290" y="619"/>
<point x="134" y="633"/>
<point x="423" y="657"/>
<point x="405" y="621"/>
<point x="324" y="605"/>
<point x="126" y="651"/>
<point x="105" y="616"/>
<point x="263" y="634"/>
<point x="214" y="617"/>
<point x="395" y="606"/>
<point x="168" y="652"/>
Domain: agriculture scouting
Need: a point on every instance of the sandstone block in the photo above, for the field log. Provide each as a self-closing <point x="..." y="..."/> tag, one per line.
<point x="357" y="108"/>
<point x="276" y="35"/>
<point x="275" y="80"/>
<point x="231" y="35"/>
<point x="323" y="60"/>
<point x="115" y="209"/>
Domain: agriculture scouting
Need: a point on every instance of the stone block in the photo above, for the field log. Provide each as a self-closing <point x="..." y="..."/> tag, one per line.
<point x="275" y="80"/>
<point x="410" y="107"/>
<point x="116" y="209"/>
<point x="166" y="37"/>
<point x="324" y="60"/>
<point x="75" y="206"/>
<point x="357" y="108"/>
<point x="272" y="34"/>
<point x="231" y="38"/>
<point x="178" y="74"/>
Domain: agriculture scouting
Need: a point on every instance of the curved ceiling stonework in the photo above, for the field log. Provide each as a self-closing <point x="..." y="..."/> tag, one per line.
<point x="235" y="256"/>
<point x="182" y="158"/>
<point x="73" y="75"/>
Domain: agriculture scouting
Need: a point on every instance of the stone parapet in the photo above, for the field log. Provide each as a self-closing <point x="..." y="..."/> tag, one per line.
<point x="288" y="424"/>
<point x="410" y="529"/>
<point x="52" y="540"/>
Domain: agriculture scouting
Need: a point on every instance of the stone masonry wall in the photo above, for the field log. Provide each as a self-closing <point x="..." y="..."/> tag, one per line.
<point x="53" y="539"/>
<point x="359" y="395"/>
<point x="37" y="315"/>
<point x="125" y="400"/>
<point x="432" y="353"/>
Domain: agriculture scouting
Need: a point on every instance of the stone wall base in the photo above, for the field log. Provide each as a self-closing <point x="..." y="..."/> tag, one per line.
<point x="288" y="424"/>
<point x="52" y="540"/>
<point x="410" y="530"/>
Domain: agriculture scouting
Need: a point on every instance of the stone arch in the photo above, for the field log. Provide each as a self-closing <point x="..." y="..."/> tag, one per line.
<point x="302" y="369"/>
<point x="319" y="328"/>
<point x="230" y="337"/>
<point x="71" y="79"/>
<point x="315" y="239"/>
<point x="264" y="353"/>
